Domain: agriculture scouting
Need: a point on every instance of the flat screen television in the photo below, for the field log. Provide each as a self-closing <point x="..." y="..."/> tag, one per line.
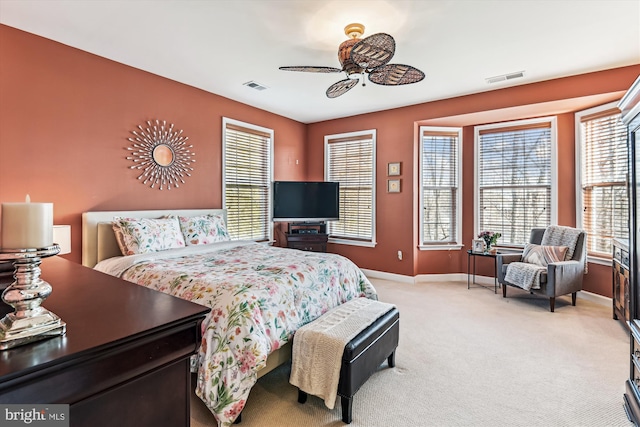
<point x="306" y="201"/>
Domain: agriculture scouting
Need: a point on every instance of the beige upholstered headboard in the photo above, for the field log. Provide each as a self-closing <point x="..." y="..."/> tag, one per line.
<point x="99" y="241"/>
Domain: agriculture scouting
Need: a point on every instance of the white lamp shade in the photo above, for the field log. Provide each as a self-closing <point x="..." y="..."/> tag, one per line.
<point x="62" y="236"/>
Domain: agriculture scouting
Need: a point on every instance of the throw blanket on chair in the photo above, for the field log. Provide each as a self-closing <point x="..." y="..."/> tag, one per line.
<point x="524" y="275"/>
<point x="557" y="235"/>
<point x="318" y="346"/>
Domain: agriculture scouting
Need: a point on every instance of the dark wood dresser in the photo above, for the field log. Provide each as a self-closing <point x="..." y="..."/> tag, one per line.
<point x="124" y="360"/>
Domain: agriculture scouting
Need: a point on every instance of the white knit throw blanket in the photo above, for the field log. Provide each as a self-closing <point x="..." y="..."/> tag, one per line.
<point x="318" y="346"/>
<point x="524" y="275"/>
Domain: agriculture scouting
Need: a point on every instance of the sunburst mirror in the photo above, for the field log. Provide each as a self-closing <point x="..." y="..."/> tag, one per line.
<point x="161" y="153"/>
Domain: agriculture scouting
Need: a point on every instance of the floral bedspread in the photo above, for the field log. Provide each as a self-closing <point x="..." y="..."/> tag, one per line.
<point x="259" y="295"/>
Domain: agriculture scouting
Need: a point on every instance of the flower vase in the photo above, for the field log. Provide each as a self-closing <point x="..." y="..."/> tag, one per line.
<point x="487" y="246"/>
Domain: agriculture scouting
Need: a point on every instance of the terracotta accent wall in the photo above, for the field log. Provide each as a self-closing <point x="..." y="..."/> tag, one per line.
<point x="397" y="139"/>
<point x="65" y="118"/>
<point x="394" y="213"/>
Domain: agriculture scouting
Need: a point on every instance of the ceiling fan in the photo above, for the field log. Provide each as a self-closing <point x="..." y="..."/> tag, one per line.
<point x="365" y="56"/>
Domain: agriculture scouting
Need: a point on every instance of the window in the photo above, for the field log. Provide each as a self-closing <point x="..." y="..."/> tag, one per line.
<point x="440" y="186"/>
<point x="515" y="176"/>
<point x="603" y="205"/>
<point x="350" y="160"/>
<point x="246" y="177"/>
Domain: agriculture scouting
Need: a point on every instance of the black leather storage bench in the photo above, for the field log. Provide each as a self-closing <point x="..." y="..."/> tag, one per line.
<point x="363" y="355"/>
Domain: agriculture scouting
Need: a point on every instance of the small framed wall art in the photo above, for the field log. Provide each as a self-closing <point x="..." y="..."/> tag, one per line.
<point x="393" y="169"/>
<point x="393" y="186"/>
<point x="478" y="245"/>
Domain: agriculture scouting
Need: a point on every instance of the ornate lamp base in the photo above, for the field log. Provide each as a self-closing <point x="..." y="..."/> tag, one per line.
<point x="29" y="322"/>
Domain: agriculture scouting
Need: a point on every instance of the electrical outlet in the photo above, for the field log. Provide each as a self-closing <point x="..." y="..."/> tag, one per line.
<point x="400" y="255"/>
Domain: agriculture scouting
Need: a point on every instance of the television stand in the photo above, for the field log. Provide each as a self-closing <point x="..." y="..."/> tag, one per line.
<point x="307" y="236"/>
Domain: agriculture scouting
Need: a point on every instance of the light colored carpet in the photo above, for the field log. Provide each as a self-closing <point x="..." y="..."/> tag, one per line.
<point x="472" y="358"/>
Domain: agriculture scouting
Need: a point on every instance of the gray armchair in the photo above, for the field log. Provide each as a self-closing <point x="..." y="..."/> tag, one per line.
<point x="560" y="278"/>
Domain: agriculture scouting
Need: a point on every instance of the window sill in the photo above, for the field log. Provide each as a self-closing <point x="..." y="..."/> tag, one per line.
<point x="352" y="242"/>
<point x="598" y="260"/>
<point x="452" y="247"/>
<point x="510" y="249"/>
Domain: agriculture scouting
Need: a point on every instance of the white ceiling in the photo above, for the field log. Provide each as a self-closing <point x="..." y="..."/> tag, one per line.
<point x="217" y="45"/>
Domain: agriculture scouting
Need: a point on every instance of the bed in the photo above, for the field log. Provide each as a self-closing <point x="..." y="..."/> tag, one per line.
<point x="259" y="296"/>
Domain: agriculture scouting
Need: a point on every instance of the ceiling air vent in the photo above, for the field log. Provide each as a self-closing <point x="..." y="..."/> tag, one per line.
<point x="255" y="85"/>
<point x="505" y="77"/>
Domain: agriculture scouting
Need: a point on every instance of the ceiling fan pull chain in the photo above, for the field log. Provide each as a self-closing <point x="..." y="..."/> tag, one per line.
<point x="364" y="83"/>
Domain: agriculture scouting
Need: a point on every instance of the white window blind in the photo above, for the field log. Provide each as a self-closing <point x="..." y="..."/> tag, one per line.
<point x="514" y="167"/>
<point x="604" y="172"/>
<point x="247" y="180"/>
<point x="350" y="160"/>
<point x="440" y="175"/>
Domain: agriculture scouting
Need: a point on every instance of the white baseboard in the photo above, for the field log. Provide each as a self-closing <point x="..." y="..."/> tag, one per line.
<point x="598" y="299"/>
<point x="450" y="277"/>
<point x="462" y="277"/>
<point x="388" y="276"/>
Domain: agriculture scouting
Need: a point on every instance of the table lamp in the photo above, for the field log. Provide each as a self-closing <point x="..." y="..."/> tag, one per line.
<point x="62" y="238"/>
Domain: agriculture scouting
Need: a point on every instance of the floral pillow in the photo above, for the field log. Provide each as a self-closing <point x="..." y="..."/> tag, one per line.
<point x="543" y="255"/>
<point x="144" y="235"/>
<point x="204" y="229"/>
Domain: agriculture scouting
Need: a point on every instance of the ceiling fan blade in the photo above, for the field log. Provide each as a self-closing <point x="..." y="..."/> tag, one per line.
<point x="341" y="87"/>
<point x="396" y="74"/>
<point x="312" y="69"/>
<point x="373" y="51"/>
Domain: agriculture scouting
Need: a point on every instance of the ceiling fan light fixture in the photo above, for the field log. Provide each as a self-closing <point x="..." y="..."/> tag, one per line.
<point x="344" y="56"/>
<point x="369" y="56"/>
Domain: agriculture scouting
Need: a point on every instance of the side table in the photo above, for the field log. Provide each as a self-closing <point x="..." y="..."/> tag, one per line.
<point x="472" y="254"/>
